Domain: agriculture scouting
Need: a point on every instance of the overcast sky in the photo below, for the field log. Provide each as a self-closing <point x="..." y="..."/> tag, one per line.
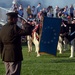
<point x="60" y="3"/>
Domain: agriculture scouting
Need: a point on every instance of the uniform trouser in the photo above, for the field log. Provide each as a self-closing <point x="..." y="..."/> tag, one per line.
<point x="62" y="44"/>
<point x="12" y="68"/>
<point x="65" y="42"/>
<point x="72" y="47"/>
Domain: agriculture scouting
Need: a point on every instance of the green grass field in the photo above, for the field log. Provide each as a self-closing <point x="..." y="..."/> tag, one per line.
<point x="45" y="64"/>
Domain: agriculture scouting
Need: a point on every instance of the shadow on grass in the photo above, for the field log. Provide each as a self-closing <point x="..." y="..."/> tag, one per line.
<point x="63" y="60"/>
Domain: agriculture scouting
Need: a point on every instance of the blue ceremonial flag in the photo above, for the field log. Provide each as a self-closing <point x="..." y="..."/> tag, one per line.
<point x="50" y="35"/>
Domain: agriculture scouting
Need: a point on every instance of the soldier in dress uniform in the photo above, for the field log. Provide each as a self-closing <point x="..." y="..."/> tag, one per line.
<point x="62" y="37"/>
<point x="10" y="44"/>
<point x="72" y="38"/>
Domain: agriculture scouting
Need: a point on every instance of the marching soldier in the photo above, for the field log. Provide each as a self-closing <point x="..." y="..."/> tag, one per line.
<point x="72" y="37"/>
<point x="10" y="44"/>
<point x="62" y="37"/>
